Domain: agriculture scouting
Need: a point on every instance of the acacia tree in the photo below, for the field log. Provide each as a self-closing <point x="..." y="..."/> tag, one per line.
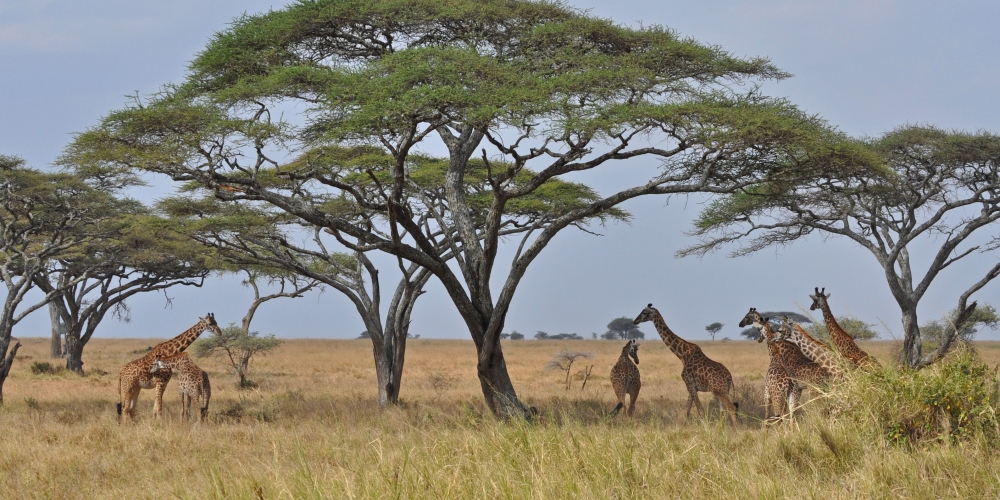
<point x="714" y="329"/>
<point x="542" y="86"/>
<point x="138" y="253"/>
<point x="42" y="217"/>
<point x="255" y="235"/>
<point x="945" y="191"/>
<point x="623" y="328"/>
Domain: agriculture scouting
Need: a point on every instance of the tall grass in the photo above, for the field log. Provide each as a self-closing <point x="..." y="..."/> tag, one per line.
<point x="300" y="435"/>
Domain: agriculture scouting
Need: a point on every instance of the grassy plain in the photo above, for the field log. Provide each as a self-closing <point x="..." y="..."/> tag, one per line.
<point x="312" y="430"/>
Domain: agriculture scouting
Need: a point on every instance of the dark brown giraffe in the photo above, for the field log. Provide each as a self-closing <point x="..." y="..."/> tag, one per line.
<point x="778" y="386"/>
<point x="802" y="371"/>
<point x="625" y="377"/>
<point x="700" y="374"/>
<point x="840" y="339"/>
<point x="135" y="375"/>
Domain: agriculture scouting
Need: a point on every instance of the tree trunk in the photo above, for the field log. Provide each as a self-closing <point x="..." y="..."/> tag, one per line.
<point x="242" y="369"/>
<point x="74" y="353"/>
<point x="912" y="343"/>
<point x="58" y="330"/>
<point x="388" y="390"/>
<point x="499" y="390"/>
<point x="5" y="366"/>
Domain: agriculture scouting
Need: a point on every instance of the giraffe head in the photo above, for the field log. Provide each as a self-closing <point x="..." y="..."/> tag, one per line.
<point x="784" y="331"/>
<point x="158" y="365"/>
<point x="209" y="323"/>
<point x="818" y="299"/>
<point x="647" y="314"/>
<point x="754" y="318"/>
<point x="631" y="350"/>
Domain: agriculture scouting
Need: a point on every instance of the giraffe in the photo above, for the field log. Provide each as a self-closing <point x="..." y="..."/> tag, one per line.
<point x="840" y="339"/>
<point x="192" y="383"/>
<point x="625" y="377"/>
<point x="813" y="349"/>
<point x="135" y="375"/>
<point x="778" y="386"/>
<point x="802" y="372"/>
<point x="700" y="374"/>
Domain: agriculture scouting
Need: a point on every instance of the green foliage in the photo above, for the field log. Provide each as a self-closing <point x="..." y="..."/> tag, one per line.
<point x="985" y="316"/>
<point x="856" y="328"/>
<point x="951" y="401"/>
<point x="238" y="347"/>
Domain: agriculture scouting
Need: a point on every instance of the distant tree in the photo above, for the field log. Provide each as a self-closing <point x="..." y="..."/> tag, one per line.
<point x="854" y="327"/>
<point x="516" y="336"/>
<point x="563" y="360"/>
<point x="541" y="335"/>
<point x="714" y="329"/>
<point x="623" y="328"/>
<point x="750" y="333"/>
<point x="364" y="335"/>
<point x="238" y="347"/>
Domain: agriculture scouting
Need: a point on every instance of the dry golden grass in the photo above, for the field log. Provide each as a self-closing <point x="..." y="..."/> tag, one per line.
<point x="311" y="430"/>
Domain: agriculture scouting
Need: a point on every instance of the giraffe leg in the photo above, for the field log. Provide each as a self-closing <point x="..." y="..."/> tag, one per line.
<point x="793" y="399"/>
<point x="631" y="407"/>
<point x="158" y="403"/>
<point x="129" y="403"/>
<point x="728" y="405"/>
<point x="767" y="402"/>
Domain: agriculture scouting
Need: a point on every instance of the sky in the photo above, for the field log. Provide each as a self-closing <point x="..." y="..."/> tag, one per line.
<point x="866" y="66"/>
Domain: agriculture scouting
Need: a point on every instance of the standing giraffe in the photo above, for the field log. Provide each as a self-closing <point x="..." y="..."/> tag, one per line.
<point x="625" y="377"/>
<point x="192" y="383"/>
<point x="700" y="374"/>
<point x="802" y="371"/>
<point x="778" y="386"/>
<point x="135" y="375"/>
<point x="813" y="349"/>
<point x="840" y="339"/>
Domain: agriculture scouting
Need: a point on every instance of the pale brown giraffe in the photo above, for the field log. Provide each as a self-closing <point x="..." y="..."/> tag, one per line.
<point x="778" y="385"/>
<point x="135" y="375"/>
<point x="802" y="371"/>
<point x="700" y="374"/>
<point x="840" y="339"/>
<point x="192" y="383"/>
<point x="625" y="377"/>
<point x="813" y="349"/>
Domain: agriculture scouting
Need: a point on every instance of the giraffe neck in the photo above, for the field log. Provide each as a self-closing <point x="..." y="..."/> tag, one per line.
<point x="814" y="350"/>
<point x="838" y="336"/>
<point x="831" y="322"/>
<point x="768" y="333"/>
<point x="676" y="344"/>
<point x="177" y="344"/>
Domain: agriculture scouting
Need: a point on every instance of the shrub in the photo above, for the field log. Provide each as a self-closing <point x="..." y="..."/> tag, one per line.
<point x="953" y="400"/>
<point x="40" y="367"/>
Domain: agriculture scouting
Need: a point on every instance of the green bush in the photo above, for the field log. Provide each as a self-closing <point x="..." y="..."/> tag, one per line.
<point x="954" y="400"/>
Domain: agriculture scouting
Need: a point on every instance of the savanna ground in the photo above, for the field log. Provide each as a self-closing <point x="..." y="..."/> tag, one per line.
<point x="311" y="429"/>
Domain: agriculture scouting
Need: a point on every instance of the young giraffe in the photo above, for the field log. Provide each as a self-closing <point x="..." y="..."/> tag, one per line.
<point x="135" y="375"/>
<point x="192" y="383"/>
<point x="840" y="339"/>
<point x="700" y="374"/>
<point x="813" y="349"/>
<point x="625" y="377"/>
<point x="802" y="371"/>
<point x="778" y="386"/>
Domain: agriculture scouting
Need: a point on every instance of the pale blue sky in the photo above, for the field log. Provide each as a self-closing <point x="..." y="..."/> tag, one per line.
<point x="866" y="66"/>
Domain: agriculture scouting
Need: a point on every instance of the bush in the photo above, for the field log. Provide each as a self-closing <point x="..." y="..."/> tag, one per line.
<point x="40" y="367"/>
<point x="953" y="400"/>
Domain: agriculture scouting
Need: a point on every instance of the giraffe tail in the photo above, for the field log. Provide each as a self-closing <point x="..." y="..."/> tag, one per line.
<point x="617" y="408"/>
<point x="118" y="406"/>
